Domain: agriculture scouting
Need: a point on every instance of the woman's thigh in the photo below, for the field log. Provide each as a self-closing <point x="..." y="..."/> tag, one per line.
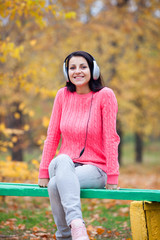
<point x="91" y="176"/>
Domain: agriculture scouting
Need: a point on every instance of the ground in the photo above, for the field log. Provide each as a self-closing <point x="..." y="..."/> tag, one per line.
<point x="31" y="218"/>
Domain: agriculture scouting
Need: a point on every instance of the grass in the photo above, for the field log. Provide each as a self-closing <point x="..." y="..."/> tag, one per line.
<point x="24" y="217"/>
<point x="111" y="216"/>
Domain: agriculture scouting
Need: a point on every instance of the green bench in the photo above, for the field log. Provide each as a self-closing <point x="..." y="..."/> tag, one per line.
<point x="145" y="201"/>
<point x="33" y="190"/>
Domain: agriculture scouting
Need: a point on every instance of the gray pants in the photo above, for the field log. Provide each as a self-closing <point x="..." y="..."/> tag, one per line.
<point x="66" y="179"/>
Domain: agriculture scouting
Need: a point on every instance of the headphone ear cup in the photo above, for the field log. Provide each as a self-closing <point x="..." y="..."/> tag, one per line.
<point x="65" y="72"/>
<point x="96" y="70"/>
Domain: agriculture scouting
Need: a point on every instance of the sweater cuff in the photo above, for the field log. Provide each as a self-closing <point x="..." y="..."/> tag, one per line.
<point x="43" y="173"/>
<point x="112" y="179"/>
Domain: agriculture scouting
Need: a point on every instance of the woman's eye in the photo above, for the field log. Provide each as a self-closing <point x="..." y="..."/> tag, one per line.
<point x="73" y="68"/>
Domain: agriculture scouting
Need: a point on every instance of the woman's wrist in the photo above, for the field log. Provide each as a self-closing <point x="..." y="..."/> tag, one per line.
<point x="112" y="179"/>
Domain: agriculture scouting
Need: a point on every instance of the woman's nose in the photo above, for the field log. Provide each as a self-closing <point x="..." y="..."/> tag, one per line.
<point x="77" y="70"/>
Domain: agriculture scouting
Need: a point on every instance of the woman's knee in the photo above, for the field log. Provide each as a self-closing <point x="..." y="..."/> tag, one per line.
<point x="61" y="160"/>
<point x="60" y="165"/>
<point x="52" y="187"/>
<point x="64" y="158"/>
<point x="53" y="164"/>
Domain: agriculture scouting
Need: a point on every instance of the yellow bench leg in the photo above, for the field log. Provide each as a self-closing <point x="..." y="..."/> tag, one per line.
<point x="145" y="220"/>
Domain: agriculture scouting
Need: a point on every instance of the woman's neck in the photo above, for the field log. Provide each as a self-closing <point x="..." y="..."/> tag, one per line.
<point x="82" y="90"/>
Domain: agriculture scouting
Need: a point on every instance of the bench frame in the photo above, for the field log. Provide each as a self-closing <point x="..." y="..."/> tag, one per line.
<point x="144" y="210"/>
<point x="33" y="190"/>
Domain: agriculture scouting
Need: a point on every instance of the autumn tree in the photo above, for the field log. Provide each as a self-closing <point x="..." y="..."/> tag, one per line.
<point x="124" y="38"/>
<point x="27" y="72"/>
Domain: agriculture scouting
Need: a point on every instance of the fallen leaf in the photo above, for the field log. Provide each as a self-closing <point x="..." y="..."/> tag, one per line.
<point x="35" y="229"/>
<point x="54" y="236"/>
<point x="109" y="231"/>
<point x="100" y="230"/>
<point x="41" y="234"/>
<point x="21" y="226"/>
<point x="12" y="219"/>
<point x="90" y="228"/>
<point x="117" y="233"/>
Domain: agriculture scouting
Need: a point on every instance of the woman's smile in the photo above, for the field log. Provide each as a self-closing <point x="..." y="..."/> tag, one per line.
<point x="78" y="77"/>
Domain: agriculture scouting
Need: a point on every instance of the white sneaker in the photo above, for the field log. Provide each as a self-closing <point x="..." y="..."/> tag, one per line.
<point x="78" y="230"/>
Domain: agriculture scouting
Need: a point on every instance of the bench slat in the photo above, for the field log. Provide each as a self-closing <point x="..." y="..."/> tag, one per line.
<point x="33" y="190"/>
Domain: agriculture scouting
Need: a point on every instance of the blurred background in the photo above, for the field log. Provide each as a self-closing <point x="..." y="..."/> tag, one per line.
<point x="35" y="38"/>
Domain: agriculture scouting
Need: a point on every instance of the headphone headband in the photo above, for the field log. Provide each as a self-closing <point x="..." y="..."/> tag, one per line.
<point x="96" y="70"/>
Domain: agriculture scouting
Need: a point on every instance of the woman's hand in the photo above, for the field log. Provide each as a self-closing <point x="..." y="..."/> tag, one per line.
<point x="43" y="182"/>
<point x="112" y="187"/>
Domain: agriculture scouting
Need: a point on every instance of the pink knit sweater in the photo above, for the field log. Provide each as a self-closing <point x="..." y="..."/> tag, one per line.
<point x="69" y="121"/>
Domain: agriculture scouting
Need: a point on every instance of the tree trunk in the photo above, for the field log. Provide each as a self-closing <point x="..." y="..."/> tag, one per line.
<point x="139" y="147"/>
<point x="17" y="151"/>
<point x="16" y="123"/>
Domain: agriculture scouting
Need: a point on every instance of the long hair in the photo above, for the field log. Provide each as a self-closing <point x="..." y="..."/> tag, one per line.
<point x="94" y="85"/>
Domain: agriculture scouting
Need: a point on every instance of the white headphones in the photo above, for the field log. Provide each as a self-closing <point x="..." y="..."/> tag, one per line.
<point x="96" y="70"/>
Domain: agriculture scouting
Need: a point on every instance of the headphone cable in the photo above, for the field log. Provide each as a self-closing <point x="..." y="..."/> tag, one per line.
<point x="82" y="151"/>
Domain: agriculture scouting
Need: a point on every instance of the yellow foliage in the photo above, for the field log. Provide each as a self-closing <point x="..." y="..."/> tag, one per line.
<point x="4" y="145"/>
<point x="45" y="93"/>
<point x="35" y="162"/>
<point x="45" y="122"/>
<point x="33" y="42"/>
<point x="2" y="127"/>
<point x="3" y="149"/>
<point x="121" y="45"/>
<point x="39" y="142"/>
<point x="70" y="15"/>
<point x="14" y="139"/>
<point x="10" y="144"/>
<point x="16" y="52"/>
<point x="18" y="23"/>
<point x="9" y="49"/>
<point x="26" y="127"/>
<point x="8" y="158"/>
<point x="31" y="113"/>
<point x="18" y="171"/>
<point x="17" y="115"/>
<point x="21" y="106"/>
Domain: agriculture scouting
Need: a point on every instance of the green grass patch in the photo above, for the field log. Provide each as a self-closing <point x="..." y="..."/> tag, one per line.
<point x="112" y="218"/>
<point x="23" y="218"/>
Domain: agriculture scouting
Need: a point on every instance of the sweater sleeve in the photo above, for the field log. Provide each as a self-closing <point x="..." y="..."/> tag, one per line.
<point x="110" y="136"/>
<point x="53" y="137"/>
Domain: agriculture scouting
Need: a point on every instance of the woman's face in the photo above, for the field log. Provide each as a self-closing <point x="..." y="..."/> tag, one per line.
<point x="79" y="74"/>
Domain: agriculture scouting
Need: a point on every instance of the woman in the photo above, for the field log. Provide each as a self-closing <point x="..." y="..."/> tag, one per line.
<point x="84" y="115"/>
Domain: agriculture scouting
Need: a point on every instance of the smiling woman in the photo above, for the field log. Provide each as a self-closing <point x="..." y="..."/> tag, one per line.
<point x="79" y="74"/>
<point x="95" y="82"/>
<point x="84" y="115"/>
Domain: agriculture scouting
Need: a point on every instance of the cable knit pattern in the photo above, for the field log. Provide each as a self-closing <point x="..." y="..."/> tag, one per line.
<point x="69" y="121"/>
